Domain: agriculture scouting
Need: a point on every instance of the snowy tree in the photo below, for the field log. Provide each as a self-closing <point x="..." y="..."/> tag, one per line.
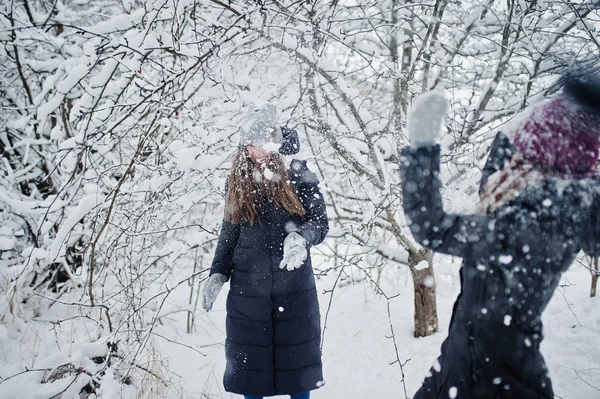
<point x="364" y="61"/>
<point x="118" y="120"/>
<point x="108" y="186"/>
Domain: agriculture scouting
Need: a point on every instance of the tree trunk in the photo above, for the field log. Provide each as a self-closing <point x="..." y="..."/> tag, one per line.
<point x="595" y="275"/>
<point x="426" y="320"/>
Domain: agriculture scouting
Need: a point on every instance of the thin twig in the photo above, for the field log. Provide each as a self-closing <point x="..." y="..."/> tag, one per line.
<point x="570" y="308"/>
<point x="178" y="343"/>
<point x="329" y="307"/>
<point x="400" y="364"/>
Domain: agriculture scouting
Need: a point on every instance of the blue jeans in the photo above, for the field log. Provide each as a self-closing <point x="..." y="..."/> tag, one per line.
<point x="303" y="395"/>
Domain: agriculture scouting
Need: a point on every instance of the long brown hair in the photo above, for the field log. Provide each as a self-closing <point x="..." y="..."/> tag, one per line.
<point x="249" y="189"/>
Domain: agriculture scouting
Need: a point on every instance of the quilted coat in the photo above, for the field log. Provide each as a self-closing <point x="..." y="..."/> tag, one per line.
<point x="273" y="321"/>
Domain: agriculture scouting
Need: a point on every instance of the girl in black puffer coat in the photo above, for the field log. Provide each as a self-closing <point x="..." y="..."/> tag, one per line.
<point x="539" y="207"/>
<point x="273" y="216"/>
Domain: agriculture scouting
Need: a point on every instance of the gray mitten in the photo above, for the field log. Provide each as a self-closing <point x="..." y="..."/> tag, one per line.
<point x="211" y="290"/>
<point x="294" y="251"/>
<point x="426" y="116"/>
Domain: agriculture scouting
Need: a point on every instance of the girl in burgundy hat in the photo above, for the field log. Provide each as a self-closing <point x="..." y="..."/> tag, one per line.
<point x="540" y="200"/>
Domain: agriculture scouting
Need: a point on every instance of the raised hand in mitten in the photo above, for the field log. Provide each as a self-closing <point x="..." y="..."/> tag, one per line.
<point x="211" y="290"/>
<point x="425" y="118"/>
<point x="294" y="251"/>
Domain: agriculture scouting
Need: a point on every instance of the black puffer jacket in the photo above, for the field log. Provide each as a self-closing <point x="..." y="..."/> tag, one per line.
<point x="512" y="262"/>
<point x="273" y="321"/>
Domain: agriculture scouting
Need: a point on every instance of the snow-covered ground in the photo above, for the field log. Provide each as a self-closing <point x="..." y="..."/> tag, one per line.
<point x="358" y="353"/>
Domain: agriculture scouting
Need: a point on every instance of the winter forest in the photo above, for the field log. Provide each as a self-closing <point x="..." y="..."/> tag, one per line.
<point x="119" y="121"/>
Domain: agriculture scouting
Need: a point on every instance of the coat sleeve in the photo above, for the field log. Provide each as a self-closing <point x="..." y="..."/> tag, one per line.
<point x="430" y="225"/>
<point x="290" y="143"/>
<point x="501" y="152"/>
<point x="228" y="238"/>
<point x="315" y="224"/>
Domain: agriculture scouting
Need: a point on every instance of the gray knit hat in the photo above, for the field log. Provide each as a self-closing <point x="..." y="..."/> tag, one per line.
<point x="260" y="126"/>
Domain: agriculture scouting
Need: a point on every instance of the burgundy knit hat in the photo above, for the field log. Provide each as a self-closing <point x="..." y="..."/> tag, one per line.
<point x="563" y="133"/>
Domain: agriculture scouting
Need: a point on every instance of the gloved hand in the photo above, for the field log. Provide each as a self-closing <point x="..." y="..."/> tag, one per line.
<point x="211" y="290"/>
<point x="294" y="251"/>
<point x="425" y="118"/>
